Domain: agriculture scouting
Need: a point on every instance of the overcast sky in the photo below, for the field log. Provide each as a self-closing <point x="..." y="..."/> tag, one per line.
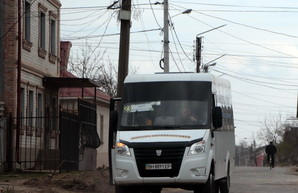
<point x="259" y="44"/>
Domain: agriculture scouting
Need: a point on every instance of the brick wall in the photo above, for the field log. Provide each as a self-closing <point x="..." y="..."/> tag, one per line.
<point x="10" y="54"/>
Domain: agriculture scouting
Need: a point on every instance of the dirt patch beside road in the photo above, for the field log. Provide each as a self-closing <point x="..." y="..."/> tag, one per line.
<point x="89" y="182"/>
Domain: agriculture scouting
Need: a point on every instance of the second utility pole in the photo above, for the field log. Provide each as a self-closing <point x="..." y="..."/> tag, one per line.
<point x="124" y="16"/>
<point x="166" y="36"/>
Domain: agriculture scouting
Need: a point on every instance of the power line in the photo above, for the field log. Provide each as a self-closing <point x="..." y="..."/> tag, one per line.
<point x="261" y="83"/>
<point x="181" y="45"/>
<point x="147" y="39"/>
<point x="253" y="75"/>
<point x="177" y="52"/>
<point x="237" y="23"/>
<point x="244" y="11"/>
<point x="231" y="5"/>
<point x="115" y="34"/>
<point x="90" y="7"/>
<point x="241" y="38"/>
<point x="154" y="15"/>
<point x="266" y="101"/>
<point x="249" y="26"/>
<point x="174" y="60"/>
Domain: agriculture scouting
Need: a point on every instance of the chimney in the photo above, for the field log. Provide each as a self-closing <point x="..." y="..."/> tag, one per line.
<point x="65" y="47"/>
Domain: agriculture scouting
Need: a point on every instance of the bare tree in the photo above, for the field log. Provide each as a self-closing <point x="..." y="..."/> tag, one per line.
<point x="272" y="129"/>
<point x="88" y="62"/>
<point x="107" y="79"/>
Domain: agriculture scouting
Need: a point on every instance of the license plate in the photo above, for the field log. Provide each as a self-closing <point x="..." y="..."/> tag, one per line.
<point x="165" y="166"/>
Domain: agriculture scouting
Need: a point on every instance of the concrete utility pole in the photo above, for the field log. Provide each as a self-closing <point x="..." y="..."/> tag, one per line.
<point x="124" y="16"/>
<point x="198" y="52"/>
<point x="166" y="36"/>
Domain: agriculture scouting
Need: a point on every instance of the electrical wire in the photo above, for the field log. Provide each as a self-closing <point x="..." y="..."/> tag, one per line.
<point x="147" y="39"/>
<point x="101" y="37"/>
<point x="179" y="41"/>
<point x="154" y="14"/>
<point x="248" y="26"/>
<point x="115" y="34"/>
<point x="174" y="60"/>
<point x="231" y="5"/>
<point x="177" y="52"/>
<point x="260" y="83"/>
<point x="252" y="43"/>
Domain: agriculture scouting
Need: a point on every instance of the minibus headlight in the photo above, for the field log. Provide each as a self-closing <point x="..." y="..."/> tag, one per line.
<point x="197" y="148"/>
<point x="122" y="149"/>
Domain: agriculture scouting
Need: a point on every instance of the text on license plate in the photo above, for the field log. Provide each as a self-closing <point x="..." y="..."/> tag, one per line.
<point x="165" y="166"/>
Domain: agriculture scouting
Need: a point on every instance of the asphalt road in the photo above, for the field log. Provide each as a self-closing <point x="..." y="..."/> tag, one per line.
<point x="259" y="180"/>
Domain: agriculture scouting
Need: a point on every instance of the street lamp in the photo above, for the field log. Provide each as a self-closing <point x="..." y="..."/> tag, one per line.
<point x="199" y="46"/>
<point x="206" y="66"/>
<point x="187" y="11"/>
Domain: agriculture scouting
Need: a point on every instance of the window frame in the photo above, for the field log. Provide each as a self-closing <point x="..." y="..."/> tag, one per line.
<point x="42" y="10"/>
<point x="53" y="32"/>
<point x="27" y="44"/>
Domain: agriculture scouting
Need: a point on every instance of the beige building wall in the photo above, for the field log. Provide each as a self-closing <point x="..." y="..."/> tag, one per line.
<point x="103" y="116"/>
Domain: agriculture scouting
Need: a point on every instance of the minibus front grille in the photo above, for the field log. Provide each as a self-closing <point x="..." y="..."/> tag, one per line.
<point x="160" y="154"/>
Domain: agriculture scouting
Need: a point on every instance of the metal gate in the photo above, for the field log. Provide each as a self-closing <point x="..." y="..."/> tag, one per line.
<point x="78" y="131"/>
<point x="69" y="141"/>
<point x="48" y="143"/>
<point x="87" y="119"/>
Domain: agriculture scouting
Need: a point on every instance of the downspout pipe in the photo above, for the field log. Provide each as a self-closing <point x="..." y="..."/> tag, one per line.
<point x="19" y="66"/>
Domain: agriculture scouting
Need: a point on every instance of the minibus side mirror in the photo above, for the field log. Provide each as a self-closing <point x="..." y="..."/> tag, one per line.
<point x="217" y="117"/>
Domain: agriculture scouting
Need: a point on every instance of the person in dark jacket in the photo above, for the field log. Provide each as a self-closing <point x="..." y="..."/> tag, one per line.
<point x="270" y="151"/>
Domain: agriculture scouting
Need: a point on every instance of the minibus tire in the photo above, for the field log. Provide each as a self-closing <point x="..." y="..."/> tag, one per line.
<point x="225" y="183"/>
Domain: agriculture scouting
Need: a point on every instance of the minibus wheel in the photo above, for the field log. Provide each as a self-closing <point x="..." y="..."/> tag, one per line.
<point x="225" y="183"/>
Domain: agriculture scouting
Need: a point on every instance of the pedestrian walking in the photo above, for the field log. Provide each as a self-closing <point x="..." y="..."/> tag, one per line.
<point x="270" y="151"/>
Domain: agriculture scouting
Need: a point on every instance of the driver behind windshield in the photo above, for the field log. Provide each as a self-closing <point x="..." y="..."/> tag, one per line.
<point x="186" y="116"/>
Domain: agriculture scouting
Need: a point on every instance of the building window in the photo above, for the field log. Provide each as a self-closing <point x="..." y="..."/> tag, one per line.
<point x="30" y="109"/>
<point x="53" y="37"/>
<point x="22" y="113"/>
<point x="27" y="26"/>
<point x="42" y="31"/>
<point x="27" y="21"/>
<point x="39" y="113"/>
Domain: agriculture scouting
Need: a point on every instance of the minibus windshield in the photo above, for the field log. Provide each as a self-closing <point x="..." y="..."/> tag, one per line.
<point x="162" y="105"/>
